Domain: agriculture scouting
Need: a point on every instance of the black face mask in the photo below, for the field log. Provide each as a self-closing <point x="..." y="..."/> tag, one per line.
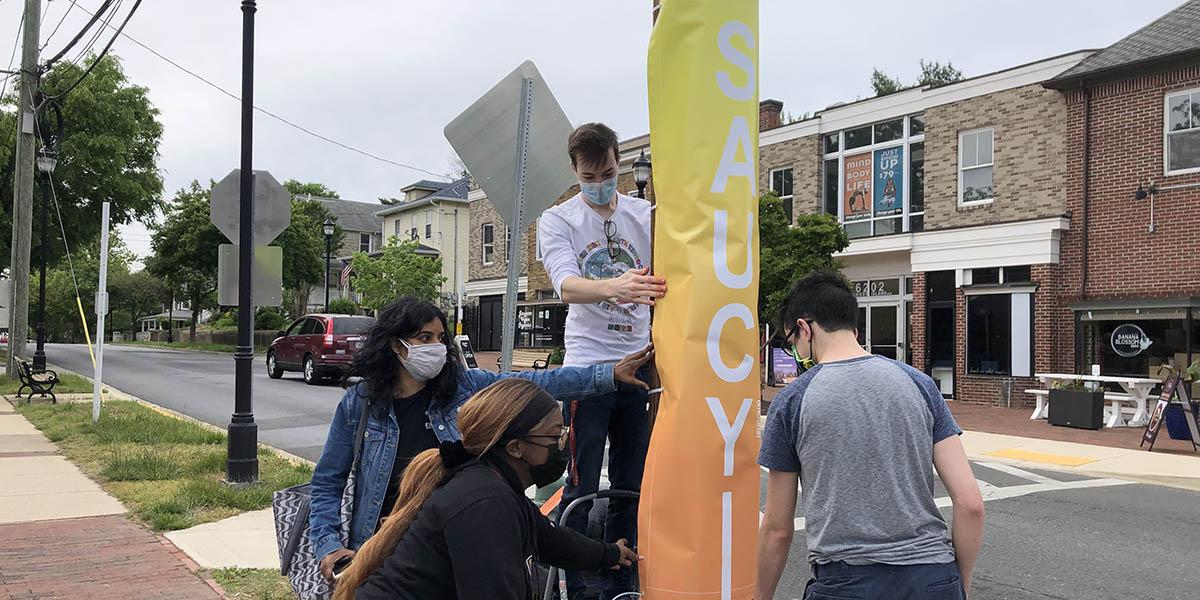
<point x="551" y="470"/>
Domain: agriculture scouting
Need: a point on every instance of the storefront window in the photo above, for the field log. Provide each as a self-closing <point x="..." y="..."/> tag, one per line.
<point x="999" y="333"/>
<point x="1136" y="343"/>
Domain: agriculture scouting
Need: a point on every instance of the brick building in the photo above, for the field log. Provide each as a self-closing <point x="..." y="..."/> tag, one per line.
<point x="953" y="199"/>
<point x="1130" y="271"/>
<point x="541" y="315"/>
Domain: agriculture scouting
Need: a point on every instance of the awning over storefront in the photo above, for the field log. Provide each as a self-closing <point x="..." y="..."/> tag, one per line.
<point x="1123" y="309"/>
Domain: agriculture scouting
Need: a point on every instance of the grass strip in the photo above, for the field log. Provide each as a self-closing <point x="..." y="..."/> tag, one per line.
<point x="167" y="471"/>
<point x="253" y="584"/>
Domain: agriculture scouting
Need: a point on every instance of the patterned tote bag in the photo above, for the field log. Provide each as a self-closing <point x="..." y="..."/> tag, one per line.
<point x="291" y="507"/>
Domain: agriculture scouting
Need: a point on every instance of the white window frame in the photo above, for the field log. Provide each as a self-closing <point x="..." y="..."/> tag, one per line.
<point x="484" y="244"/>
<point x="396" y="227"/>
<point x="787" y="198"/>
<point x="537" y="248"/>
<point x="428" y="224"/>
<point x="507" y="241"/>
<point x="370" y="242"/>
<point x="840" y="155"/>
<point x="962" y="135"/>
<point x="1167" y="133"/>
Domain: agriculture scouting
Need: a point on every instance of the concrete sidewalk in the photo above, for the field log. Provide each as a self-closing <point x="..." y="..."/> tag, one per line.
<point x="1134" y="464"/>
<point x="65" y="537"/>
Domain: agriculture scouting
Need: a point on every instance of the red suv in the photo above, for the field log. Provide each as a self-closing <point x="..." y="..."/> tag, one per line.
<point x="319" y="346"/>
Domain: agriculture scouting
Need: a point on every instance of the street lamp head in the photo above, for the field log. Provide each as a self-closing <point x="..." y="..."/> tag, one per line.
<point x="327" y="227"/>
<point x="641" y="169"/>
<point x="47" y="159"/>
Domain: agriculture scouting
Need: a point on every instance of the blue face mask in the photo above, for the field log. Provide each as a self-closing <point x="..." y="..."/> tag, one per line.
<point x="601" y="193"/>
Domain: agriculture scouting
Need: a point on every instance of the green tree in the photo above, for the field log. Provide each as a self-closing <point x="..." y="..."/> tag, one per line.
<point x="933" y="74"/>
<point x="303" y="244"/>
<point x="132" y="296"/>
<point x="400" y="271"/>
<point x="63" y="298"/>
<point x="316" y="190"/>
<point x="884" y="84"/>
<point x="109" y="152"/>
<point x="936" y="74"/>
<point x="185" y="249"/>
<point x="788" y="253"/>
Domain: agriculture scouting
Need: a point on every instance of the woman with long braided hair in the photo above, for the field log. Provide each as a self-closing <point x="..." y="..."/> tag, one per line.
<point x="462" y="527"/>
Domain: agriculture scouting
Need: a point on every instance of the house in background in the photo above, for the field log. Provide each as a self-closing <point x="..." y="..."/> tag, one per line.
<point x="435" y="215"/>
<point x="362" y="234"/>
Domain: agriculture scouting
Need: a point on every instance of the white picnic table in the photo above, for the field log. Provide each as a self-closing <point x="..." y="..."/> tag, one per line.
<point x="1137" y="390"/>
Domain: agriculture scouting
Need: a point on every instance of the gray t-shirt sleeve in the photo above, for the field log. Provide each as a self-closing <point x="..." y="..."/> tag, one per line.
<point x="780" y="435"/>
<point x="944" y="424"/>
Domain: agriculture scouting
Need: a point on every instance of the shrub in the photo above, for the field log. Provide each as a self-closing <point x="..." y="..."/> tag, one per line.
<point x="270" y="319"/>
<point x="342" y="306"/>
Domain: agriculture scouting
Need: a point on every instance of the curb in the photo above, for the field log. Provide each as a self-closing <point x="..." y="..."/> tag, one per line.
<point x="116" y="394"/>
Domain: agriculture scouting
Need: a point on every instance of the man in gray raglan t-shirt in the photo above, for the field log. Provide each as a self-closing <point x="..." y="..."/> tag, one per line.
<point x="862" y="434"/>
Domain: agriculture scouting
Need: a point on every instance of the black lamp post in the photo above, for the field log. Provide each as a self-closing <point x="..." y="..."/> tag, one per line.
<point x="327" y="229"/>
<point x="47" y="159"/>
<point x="641" y="173"/>
<point x="242" y="457"/>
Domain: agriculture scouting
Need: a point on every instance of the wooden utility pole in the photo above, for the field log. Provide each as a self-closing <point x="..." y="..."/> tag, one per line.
<point x="22" y="222"/>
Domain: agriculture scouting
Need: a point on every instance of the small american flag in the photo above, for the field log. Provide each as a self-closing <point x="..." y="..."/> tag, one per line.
<point x="346" y="272"/>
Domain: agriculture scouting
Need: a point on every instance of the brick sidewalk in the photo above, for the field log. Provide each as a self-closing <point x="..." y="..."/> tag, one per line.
<point x="94" y="558"/>
<point x="1014" y="421"/>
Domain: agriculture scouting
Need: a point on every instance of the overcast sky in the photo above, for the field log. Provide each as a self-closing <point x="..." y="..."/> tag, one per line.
<point x="386" y="76"/>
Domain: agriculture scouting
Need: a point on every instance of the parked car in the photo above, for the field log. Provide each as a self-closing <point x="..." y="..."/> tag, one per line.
<point x="319" y="346"/>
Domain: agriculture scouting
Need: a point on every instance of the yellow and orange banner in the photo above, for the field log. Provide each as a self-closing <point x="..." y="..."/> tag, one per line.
<point x="698" y="518"/>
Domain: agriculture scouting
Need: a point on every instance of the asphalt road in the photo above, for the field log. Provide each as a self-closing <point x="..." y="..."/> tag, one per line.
<point x="291" y="415"/>
<point x="1050" y="535"/>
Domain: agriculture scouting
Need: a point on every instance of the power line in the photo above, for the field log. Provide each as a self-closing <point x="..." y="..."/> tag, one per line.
<point x="99" y="58"/>
<point x="95" y="16"/>
<point x="11" y="58"/>
<point x="60" y="22"/>
<point x="275" y="116"/>
<point x="91" y="43"/>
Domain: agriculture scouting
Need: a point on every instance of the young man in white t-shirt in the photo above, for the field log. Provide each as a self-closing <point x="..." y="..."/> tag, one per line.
<point x="596" y="249"/>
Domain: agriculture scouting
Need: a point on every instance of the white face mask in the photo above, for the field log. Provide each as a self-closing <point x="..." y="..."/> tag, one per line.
<point x="424" y="361"/>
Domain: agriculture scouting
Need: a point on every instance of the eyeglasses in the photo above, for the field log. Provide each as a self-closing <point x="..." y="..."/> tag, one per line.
<point x="790" y="348"/>
<point x="610" y="236"/>
<point x="562" y="438"/>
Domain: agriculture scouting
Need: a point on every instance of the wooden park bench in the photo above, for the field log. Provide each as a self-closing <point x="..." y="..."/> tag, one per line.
<point x="529" y="359"/>
<point x="40" y="382"/>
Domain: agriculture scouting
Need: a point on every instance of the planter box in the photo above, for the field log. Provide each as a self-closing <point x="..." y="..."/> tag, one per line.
<point x="1076" y="408"/>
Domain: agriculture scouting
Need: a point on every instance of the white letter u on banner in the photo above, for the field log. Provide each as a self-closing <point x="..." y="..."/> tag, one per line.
<point x="727" y="278"/>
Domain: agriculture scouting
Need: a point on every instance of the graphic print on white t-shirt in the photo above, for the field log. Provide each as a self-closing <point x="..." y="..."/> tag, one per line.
<point x="596" y="262"/>
<point x="573" y="244"/>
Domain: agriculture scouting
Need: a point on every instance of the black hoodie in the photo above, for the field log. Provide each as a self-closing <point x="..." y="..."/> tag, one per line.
<point x="479" y="538"/>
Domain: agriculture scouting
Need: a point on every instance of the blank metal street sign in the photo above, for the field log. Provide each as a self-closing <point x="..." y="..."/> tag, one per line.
<point x="266" y="288"/>
<point x="272" y="207"/>
<point x="485" y="138"/>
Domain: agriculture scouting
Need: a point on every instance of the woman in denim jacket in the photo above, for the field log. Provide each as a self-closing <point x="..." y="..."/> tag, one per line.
<point x="414" y="384"/>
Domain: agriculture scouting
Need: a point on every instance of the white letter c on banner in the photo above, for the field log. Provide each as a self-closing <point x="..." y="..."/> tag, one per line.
<point x="727" y="312"/>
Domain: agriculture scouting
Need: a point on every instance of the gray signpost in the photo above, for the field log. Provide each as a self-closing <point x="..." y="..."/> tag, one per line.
<point x="513" y="141"/>
<point x="259" y="199"/>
